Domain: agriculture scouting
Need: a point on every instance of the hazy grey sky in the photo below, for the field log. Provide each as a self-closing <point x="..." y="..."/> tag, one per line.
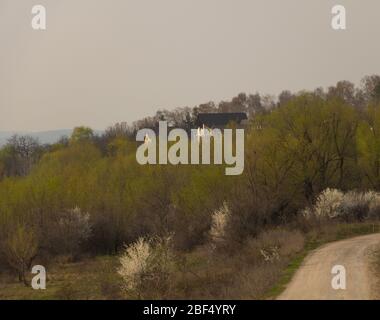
<point x="101" y="62"/>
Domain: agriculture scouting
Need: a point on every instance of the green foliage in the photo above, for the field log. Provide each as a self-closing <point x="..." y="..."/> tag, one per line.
<point x="81" y="134"/>
<point x="368" y="143"/>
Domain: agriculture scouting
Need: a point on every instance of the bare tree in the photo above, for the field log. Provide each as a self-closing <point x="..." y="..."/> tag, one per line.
<point x="22" y="152"/>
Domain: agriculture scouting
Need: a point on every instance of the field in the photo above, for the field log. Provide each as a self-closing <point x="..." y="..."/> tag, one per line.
<point x="200" y="275"/>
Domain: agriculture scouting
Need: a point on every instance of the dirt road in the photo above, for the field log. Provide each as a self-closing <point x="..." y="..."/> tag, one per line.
<point x="313" y="280"/>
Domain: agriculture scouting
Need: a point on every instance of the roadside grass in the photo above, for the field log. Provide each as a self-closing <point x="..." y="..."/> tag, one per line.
<point x="290" y="270"/>
<point x="325" y="235"/>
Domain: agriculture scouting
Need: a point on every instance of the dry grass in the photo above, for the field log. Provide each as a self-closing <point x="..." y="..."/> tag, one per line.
<point x="89" y="279"/>
<point x="241" y="273"/>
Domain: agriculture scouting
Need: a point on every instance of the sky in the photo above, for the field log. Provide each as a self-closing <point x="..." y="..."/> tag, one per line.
<point x="100" y="62"/>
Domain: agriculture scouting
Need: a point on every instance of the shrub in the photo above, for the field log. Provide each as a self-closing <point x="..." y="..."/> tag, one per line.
<point x="146" y="266"/>
<point x="134" y="264"/>
<point x="374" y="206"/>
<point x="355" y="205"/>
<point x="20" y="249"/>
<point x="219" y="224"/>
<point x="69" y="232"/>
<point x="350" y="206"/>
<point x="162" y="267"/>
<point x="328" y="203"/>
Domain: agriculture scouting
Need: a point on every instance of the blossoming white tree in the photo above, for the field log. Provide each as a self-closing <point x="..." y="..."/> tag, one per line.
<point x="147" y="264"/>
<point x="219" y="223"/>
<point x="352" y="205"/>
<point x="134" y="263"/>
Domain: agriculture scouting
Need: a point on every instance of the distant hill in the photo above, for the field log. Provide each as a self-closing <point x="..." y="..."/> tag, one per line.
<point x="43" y="136"/>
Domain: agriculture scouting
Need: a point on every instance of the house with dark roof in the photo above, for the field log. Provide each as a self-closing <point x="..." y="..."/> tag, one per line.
<point x="220" y="120"/>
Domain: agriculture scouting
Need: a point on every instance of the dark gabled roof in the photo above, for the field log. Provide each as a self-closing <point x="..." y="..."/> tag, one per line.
<point x="219" y="119"/>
